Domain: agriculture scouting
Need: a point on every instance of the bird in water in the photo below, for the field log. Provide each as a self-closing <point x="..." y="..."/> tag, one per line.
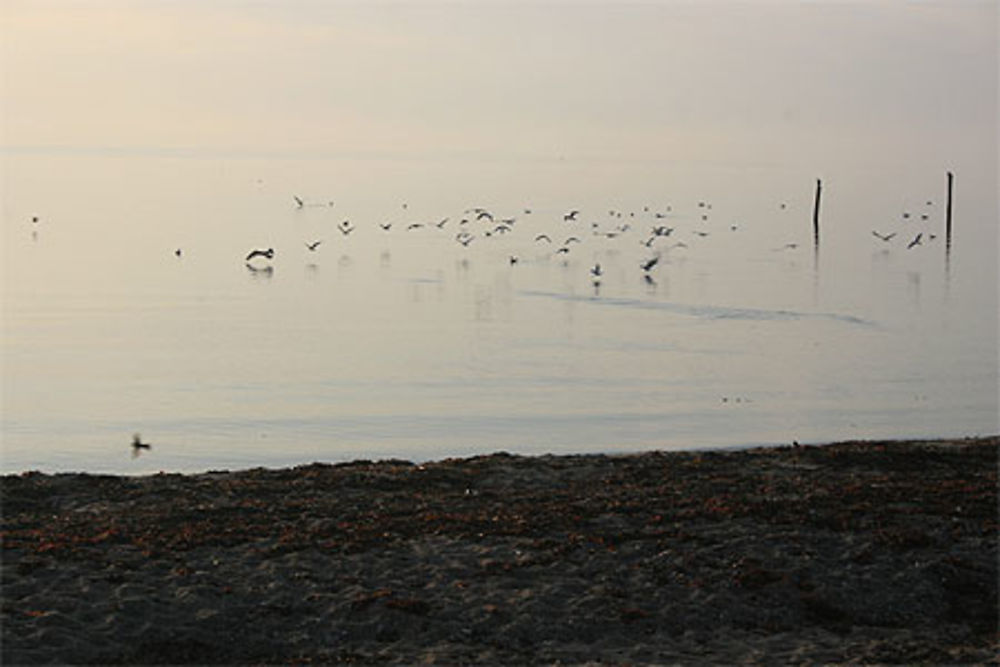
<point x="312" y="246"/>
<point x="267" y="254"/>
<point x="138" y="445"/>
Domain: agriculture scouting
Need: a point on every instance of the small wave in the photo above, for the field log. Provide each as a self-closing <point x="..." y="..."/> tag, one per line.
<point x="702" y="311"/>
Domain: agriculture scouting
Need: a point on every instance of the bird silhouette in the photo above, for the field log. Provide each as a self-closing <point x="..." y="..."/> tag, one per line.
<point x="267" y="254"/>
<point x="312" y="246"/>
<point x="345" y="227"/>
<point x="650" y="263"/>
<point x="571" y="216"/>
<point x="386" y="227"/>
<point x="138" y="445"/>
<point x="543" y="237"/>
<point x="596" y="271"/>
<point x="883" y="237"/>
<point x="917" y="240"/>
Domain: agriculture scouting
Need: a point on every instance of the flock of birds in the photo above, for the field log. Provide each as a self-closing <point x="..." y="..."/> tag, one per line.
<point x="654" y="235"/>
<point x="658" y="231"/>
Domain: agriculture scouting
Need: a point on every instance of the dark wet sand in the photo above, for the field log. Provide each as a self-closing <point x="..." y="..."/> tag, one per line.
<point x="864" y="552"/>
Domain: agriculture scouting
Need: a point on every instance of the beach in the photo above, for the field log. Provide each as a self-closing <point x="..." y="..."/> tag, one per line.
<point x="854" y="552"/>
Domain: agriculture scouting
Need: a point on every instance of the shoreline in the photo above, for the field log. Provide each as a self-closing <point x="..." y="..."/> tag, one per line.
<point x="880" y="551"/>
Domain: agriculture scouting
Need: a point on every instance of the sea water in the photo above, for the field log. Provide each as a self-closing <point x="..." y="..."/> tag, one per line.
<point x="185" y="135"/>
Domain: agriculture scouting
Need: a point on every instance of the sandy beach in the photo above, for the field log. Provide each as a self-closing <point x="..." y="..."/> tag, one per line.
<point x="858" y="552"/>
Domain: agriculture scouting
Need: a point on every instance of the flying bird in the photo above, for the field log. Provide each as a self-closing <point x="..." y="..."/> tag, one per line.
<point x="298" y="201"/>
<point x="917" y="240"/>
<point x="345" y="227"/>
<point x="312" y="246"/>
<point x="267" y="254"/>
<point x="650" y="263"/>
<point x="138" y="445"/>
<point x="596" y="271"/>
<point x="386" y="227"/>
<point x="571" y="216"/>
<point x="543" y="237"/>
<point x="883" y="237"/>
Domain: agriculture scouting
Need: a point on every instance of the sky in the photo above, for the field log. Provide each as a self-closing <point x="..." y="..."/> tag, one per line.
<point x="753" y="81"/>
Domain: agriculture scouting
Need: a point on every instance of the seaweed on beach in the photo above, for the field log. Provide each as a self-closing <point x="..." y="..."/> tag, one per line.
<point x="852" y="540"/>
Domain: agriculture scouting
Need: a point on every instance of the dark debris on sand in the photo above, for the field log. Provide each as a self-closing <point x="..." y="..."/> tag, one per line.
<point x="854" y="552"/>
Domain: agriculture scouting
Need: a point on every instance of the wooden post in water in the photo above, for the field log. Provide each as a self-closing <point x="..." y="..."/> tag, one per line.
<point x="947" y="217"/>
<point x="819" y="189"/>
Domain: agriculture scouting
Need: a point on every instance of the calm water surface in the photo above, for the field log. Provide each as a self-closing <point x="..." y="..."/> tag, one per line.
<point x="405" y="343"/>
<point x="194" y="125"/>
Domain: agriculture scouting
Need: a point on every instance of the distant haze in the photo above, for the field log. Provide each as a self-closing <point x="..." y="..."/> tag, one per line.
<point x="807" y="83"/>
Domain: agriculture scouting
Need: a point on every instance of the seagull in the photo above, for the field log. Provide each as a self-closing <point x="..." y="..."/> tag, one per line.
<point x="312" y="246"/>
<point x="543" y="237"/>
<point x="138" y="445"/>
<point x="571" y="216"/>
<point x="177" y="252"/>
<point x="650" y="263"/>
<point x="481" y="214"/>
<point x="883" y="237"/>
<point x="269" y="254"/>
<point x="916" y="240"/>
<point x="571" y="239"/>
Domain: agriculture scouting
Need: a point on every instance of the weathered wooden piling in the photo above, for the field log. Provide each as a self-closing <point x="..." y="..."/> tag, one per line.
<point x="947" y="216"/>
<point x="819" y="189"/>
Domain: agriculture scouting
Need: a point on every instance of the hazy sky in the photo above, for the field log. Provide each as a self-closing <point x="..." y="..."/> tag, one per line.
<point x="619" y="80"/>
